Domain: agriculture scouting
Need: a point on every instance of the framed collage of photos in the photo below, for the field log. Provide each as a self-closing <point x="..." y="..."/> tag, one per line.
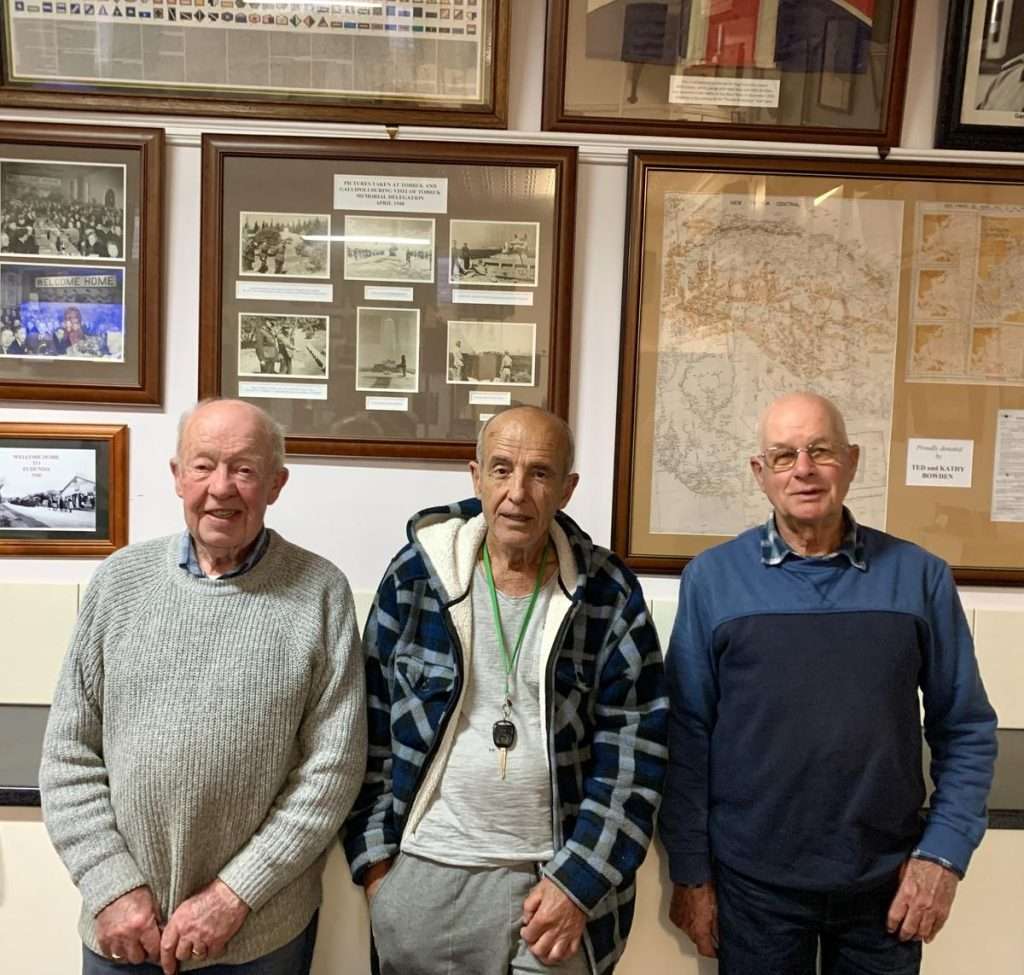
<point x="892" y="288"/>
<point x="63" y="489"/>
<point x="777" y="70"/>
<point x="384" y="298"/>
<point x="416" y="62"/>
<point x="80" y="263"/>
<point x="981" y="102"/>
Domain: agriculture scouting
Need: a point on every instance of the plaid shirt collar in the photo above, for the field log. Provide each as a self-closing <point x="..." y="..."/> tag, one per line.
<point x="190" y="563"/>
<point x="774" y="549"/>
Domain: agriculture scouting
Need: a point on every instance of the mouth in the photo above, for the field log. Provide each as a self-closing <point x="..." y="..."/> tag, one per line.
<point x="221" y="514"/>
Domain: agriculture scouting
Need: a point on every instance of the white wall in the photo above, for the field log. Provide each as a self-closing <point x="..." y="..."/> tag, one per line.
<point x="370" y="502"/>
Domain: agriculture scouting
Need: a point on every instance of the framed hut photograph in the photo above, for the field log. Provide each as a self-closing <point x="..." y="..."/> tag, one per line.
<point x="80" y="225"/>
<point x="396" y="63"/>
<point x="384" y="298"/>
<point x="894" y="289"/>
<point x="63" y="489"/>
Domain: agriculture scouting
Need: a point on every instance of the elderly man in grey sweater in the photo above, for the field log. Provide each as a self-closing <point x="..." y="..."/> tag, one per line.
<point x="208" y="732"/>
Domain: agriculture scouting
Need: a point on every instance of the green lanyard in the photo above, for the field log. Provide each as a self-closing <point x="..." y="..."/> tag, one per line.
<point x="510" y="660"/>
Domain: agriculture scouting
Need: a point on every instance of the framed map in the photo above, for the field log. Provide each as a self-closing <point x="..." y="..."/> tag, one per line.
<point x="384" y="298"/>
<point x="830" y="71"/>
<point x="892" y="288"/>
<point x="428" y="62"/>
<point x="80" y="218"/>
<point x="981" y="102"/>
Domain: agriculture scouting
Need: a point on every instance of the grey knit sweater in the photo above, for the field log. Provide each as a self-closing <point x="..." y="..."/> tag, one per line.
<point x="207" y="728"/>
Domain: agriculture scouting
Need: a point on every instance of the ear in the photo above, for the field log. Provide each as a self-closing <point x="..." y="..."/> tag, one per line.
<point x="475" y="474"/>
<point x="177" y="473"/>
<point x="570" y="486"/>
<point x="280" y="480"/>
<point x="757" y="468"/>
<point x="854" y="452"/>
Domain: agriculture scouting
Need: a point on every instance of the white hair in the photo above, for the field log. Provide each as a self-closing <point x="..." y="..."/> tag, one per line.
<point x="273" y="432"/>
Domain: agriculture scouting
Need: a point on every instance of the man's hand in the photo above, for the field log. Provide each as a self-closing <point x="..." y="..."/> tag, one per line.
<point x="202" y="926"/>
<point x="128" y="929"/>
<point x="374" y="877"/>
<point x="552" y="924"/>
<point x="695" y="911"/>
<point x="922" y="902"/>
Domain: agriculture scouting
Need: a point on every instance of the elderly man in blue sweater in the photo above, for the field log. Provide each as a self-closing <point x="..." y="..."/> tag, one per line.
<point x="792" y="804"/>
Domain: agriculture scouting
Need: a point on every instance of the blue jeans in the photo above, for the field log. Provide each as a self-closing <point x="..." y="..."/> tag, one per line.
<point x="769" y="930"/>
<point x="293" y="958"/>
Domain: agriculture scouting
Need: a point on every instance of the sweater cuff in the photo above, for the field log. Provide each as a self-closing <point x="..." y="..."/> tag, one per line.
<point x="940" y="842"/>
<point x="108" y="880"/>
<point x="250" y="879"/>
<point x="689" y="869"/>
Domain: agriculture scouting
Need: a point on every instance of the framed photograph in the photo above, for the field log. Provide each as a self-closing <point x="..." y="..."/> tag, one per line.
<point x="423" y="63"/>
<point x="63" y="489"/>
<point x="981" y="99"/>
<point x="892" y="288"/>
<point x="80" y="216"/>
<point x="384" y="298"/>
<point x="778" y="70"/>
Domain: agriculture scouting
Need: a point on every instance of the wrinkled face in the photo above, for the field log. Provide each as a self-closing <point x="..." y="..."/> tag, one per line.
<point x="807" y="494"/>
<point x="225" y="477"/>
<point x="522" y="479"/>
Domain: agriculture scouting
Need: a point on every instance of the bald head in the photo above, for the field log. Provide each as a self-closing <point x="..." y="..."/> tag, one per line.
<point x="798" y="405"/>
<point x="544" y="421"/>
<point x="270" y="432"/>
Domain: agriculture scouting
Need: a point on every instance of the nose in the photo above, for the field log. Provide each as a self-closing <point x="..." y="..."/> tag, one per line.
<point x="221" y="482"/>
<point x="804" y="465"/>
<point x="517" y="487"/>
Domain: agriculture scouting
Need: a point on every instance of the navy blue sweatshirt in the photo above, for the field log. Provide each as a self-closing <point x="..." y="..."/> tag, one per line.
<point x="795" y="732"/>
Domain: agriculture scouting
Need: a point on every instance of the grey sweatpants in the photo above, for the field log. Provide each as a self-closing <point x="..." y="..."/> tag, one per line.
<point x="434" y="919"/>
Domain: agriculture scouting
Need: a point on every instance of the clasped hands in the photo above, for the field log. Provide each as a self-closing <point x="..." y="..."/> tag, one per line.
<point x="128" y="929"/>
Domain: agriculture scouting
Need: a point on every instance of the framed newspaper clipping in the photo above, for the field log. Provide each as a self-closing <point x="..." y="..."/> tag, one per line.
<point x="981" y="102"/>
<point x="428" y="62"/>
<point x="383" y="298"/>
<point x="80" y="263"/>
<point x="783" y="70"/>
<point x="892" y="288"/>
<point x="63" y="489"/>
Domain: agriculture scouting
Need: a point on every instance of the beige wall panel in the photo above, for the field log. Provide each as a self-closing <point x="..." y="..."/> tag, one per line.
<point x="38" y="619"/>
<point x="999" y="642"/>
<point x="663" y="612"/>
<point x="343" y="941"/>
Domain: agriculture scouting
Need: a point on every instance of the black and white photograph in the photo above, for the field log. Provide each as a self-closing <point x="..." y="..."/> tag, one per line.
<point x="284" y="245"/>
<point x="388" y="350"/>
<point x="283" y="345"/>
<point x="500" y="353"/>
<point x="62" y="312"/>
<point x="62" y="209"/>
<point x="493" y="252"/>
<point x="389" y="249"/>
<point x="47" y="489"/>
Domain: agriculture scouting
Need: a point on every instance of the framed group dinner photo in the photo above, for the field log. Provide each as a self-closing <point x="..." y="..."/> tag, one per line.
<point x="417" y="62"/>
<point x="892" y="288"/>
<point x="80" y="228"/>
<point x="63" y="489"/>
<point x="384" y="298"/>
<point x="981" y="101"/>
<point x="778" y="70"/>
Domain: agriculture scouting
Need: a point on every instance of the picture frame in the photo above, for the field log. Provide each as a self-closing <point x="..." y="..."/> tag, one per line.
<point x="80" y="317"/>
<point x="796" y="71"/>
<point x="63" y="489"/>
<point x="398" y="63"/>
<point x="443" y="272"/>
<point x="981" y="77"/>
<point x="751" y="276"/>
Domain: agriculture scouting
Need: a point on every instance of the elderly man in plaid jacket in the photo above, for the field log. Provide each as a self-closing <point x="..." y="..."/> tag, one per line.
<point x="517" y="728"/>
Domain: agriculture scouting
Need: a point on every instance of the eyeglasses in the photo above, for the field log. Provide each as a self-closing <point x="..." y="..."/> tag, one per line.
<point x="822" y="454"/>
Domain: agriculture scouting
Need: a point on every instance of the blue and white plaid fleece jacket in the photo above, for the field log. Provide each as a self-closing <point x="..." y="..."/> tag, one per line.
<point x="603" y="698"/>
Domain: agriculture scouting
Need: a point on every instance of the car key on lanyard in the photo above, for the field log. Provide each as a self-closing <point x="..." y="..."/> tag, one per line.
<point x="504" y="735"/>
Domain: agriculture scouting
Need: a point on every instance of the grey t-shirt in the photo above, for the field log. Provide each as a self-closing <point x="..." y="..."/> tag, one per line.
<point x="476" y="819"/>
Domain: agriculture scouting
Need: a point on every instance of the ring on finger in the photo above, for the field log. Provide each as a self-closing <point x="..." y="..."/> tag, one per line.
<point x="197" y="953"/>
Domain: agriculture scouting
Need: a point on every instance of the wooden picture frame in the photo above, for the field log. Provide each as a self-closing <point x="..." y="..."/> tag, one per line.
<point x="63" y="489"/>
<point x="419" y="310"/>
<point x="981" y="97"/>
<point x="80" y="263"/>
<point x="395" y="63"/>
<point x="889" y="287"/>
<point x="688" y="70"/>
